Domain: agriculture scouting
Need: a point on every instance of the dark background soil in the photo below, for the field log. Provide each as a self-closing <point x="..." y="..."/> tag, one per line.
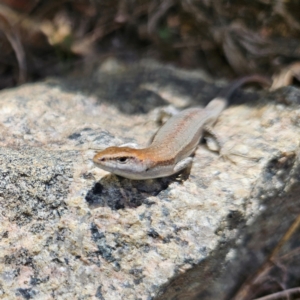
<point x="228" y="38"/>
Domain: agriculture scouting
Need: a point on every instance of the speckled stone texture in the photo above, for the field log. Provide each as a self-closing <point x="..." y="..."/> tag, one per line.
<point x="72" y="231"/>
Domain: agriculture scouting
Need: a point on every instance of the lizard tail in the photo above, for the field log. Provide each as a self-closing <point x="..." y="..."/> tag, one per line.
<point x="231" y="88"/>
<point x="218" y="104"/>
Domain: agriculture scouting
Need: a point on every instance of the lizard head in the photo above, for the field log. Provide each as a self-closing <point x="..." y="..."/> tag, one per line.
<point x="123" y="161"/>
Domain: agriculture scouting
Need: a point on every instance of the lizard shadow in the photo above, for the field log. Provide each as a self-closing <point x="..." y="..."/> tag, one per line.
<point x="126" y="89"/>
<point x="119" y="193"/>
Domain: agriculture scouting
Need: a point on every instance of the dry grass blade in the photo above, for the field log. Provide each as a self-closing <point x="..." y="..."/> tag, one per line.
<point x="13" y="38"/>
<point x="279" y="295"/>
<point x="158" y="14"/>
<point x="286" y="76"/>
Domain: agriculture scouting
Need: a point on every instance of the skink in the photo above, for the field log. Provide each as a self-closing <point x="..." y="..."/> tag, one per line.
<point x="173" y="143"/>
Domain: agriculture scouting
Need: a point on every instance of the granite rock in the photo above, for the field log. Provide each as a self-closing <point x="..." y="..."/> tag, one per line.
<point x="72" y="231"/>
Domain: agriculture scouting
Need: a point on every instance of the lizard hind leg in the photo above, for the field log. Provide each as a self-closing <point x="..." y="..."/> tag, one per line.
<point x="215" y="143"/>
<point x="213" y="140"/>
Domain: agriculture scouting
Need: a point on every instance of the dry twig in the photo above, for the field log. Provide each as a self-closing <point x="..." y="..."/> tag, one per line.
<point x="245" y="290"/>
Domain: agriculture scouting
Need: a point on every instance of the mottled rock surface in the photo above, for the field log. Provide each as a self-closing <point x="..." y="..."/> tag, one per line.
<point x="72" y="231"/>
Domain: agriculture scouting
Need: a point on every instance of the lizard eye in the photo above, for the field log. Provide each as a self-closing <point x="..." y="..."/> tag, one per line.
<point x="122" y="159"/>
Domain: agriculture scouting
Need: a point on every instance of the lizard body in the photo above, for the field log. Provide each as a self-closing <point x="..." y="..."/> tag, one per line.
<point x="173" y="143"/>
